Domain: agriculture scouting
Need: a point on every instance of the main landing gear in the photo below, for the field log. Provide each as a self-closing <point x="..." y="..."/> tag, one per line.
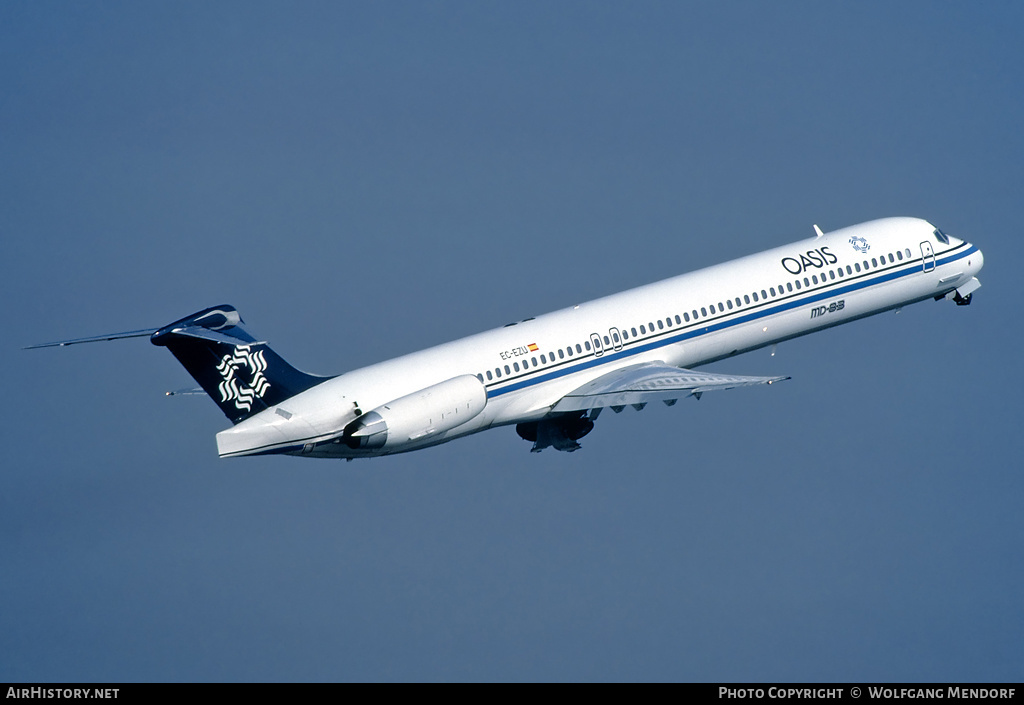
<point x="560" y="433"/>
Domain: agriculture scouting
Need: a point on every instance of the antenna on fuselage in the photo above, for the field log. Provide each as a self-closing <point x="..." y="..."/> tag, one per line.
<point x="818" y="230"/>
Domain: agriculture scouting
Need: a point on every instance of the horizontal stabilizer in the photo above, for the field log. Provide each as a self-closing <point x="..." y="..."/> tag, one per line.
<point x="217" y="336"/>
<point x="640" y="384"/>
<point x="96" y="338"/>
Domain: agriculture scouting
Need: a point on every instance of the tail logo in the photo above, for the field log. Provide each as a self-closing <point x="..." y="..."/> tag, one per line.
<point x="232" y="388"/>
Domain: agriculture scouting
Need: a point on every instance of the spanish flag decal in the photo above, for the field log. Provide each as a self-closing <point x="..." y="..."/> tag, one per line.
<point x="533" y="347"/>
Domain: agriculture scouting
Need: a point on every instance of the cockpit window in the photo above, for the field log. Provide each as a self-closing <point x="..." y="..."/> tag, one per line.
<point x="941" y="236"/>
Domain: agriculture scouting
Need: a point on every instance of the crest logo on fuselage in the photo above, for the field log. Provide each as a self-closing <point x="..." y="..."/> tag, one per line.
<point x="244" y="393"/>
<point x="860" y="244"/>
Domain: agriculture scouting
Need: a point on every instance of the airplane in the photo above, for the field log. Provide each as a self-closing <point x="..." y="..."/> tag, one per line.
<point x="552" y="375"/>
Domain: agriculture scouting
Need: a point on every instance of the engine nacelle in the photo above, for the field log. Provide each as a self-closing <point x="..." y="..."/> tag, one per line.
<point x="418" y="416"/>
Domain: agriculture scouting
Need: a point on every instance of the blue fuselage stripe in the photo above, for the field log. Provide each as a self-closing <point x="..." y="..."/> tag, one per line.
<point x="838" y="289"/>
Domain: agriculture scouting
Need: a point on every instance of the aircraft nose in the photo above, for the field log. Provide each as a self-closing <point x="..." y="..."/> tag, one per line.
<point x="977" y="261"/>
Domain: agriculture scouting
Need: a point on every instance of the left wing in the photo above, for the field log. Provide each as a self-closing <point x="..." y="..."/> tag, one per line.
<point x="639" y="384"/>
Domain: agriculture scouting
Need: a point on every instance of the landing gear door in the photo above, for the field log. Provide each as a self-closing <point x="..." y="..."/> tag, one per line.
<point x="927" y="256"/>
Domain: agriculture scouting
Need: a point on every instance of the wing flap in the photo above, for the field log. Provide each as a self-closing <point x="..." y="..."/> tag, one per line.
<point x="639" y="384"/>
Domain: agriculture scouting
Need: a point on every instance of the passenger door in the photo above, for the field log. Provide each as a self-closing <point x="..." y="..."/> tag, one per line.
<point x="927" y="256"/>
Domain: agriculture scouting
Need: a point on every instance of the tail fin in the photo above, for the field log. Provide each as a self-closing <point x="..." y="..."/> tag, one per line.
<point x="243" y="376"/>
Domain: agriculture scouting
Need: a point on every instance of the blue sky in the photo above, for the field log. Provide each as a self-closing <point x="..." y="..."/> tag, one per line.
<point x="364" y="180"/>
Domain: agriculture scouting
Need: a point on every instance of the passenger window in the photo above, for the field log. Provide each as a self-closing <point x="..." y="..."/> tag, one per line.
<point x="579" y="350"/>
<point x="661" y="326"/>
<point x="755" y="296"/>
<point x="679" y="322"/>
<point x="807" y="282"/>
<point x="507" y="370"/>
<point x="832" y="274"/>
<point x="526" y="365"/>
<point x="686" y="317"/>
<point x="908" y="253"/>
<point x="874" y="262"/>
<point x="814" y="278"/>
<point x="533" y="361"/>
<point x="729" y="302"/>
<point x="746" y="298"/>
<point x="899" y="255"/>
<point x="515" y="366"/>
<point x="891" y="260"/>
<point x="643" y="329"/>
<point x="694" y="314"/>
<point x="857" y="266"/>
<point x="480" y="377"/>
<point x="606" y="341"/>
<point x="773" y="291"/>
<point x="798" y="285"/>
<point x="703" y="311"/>
<point x="789" y="286"/>
<point x="865" y="265"/>
<point x="561" y="355"/>
<point x="738" y="304"/>
<point x="721" y="308"/>
<point x="489" y="376"/>
<point x="586" y="345"/>
<point x="569" y="350"/>
<point x="650" y="326"/>
<point x="848" y="270"/>
<point x="764" y="295"/>
<point x="543" y="359"/>
<point x="633" y="330"/>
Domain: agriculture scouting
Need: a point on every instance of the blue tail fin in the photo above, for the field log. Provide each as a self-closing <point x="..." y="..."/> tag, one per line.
<point x="242" y="375"/>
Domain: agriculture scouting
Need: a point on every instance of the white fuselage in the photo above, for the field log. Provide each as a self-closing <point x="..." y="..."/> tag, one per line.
<point x="685" y="321"/>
